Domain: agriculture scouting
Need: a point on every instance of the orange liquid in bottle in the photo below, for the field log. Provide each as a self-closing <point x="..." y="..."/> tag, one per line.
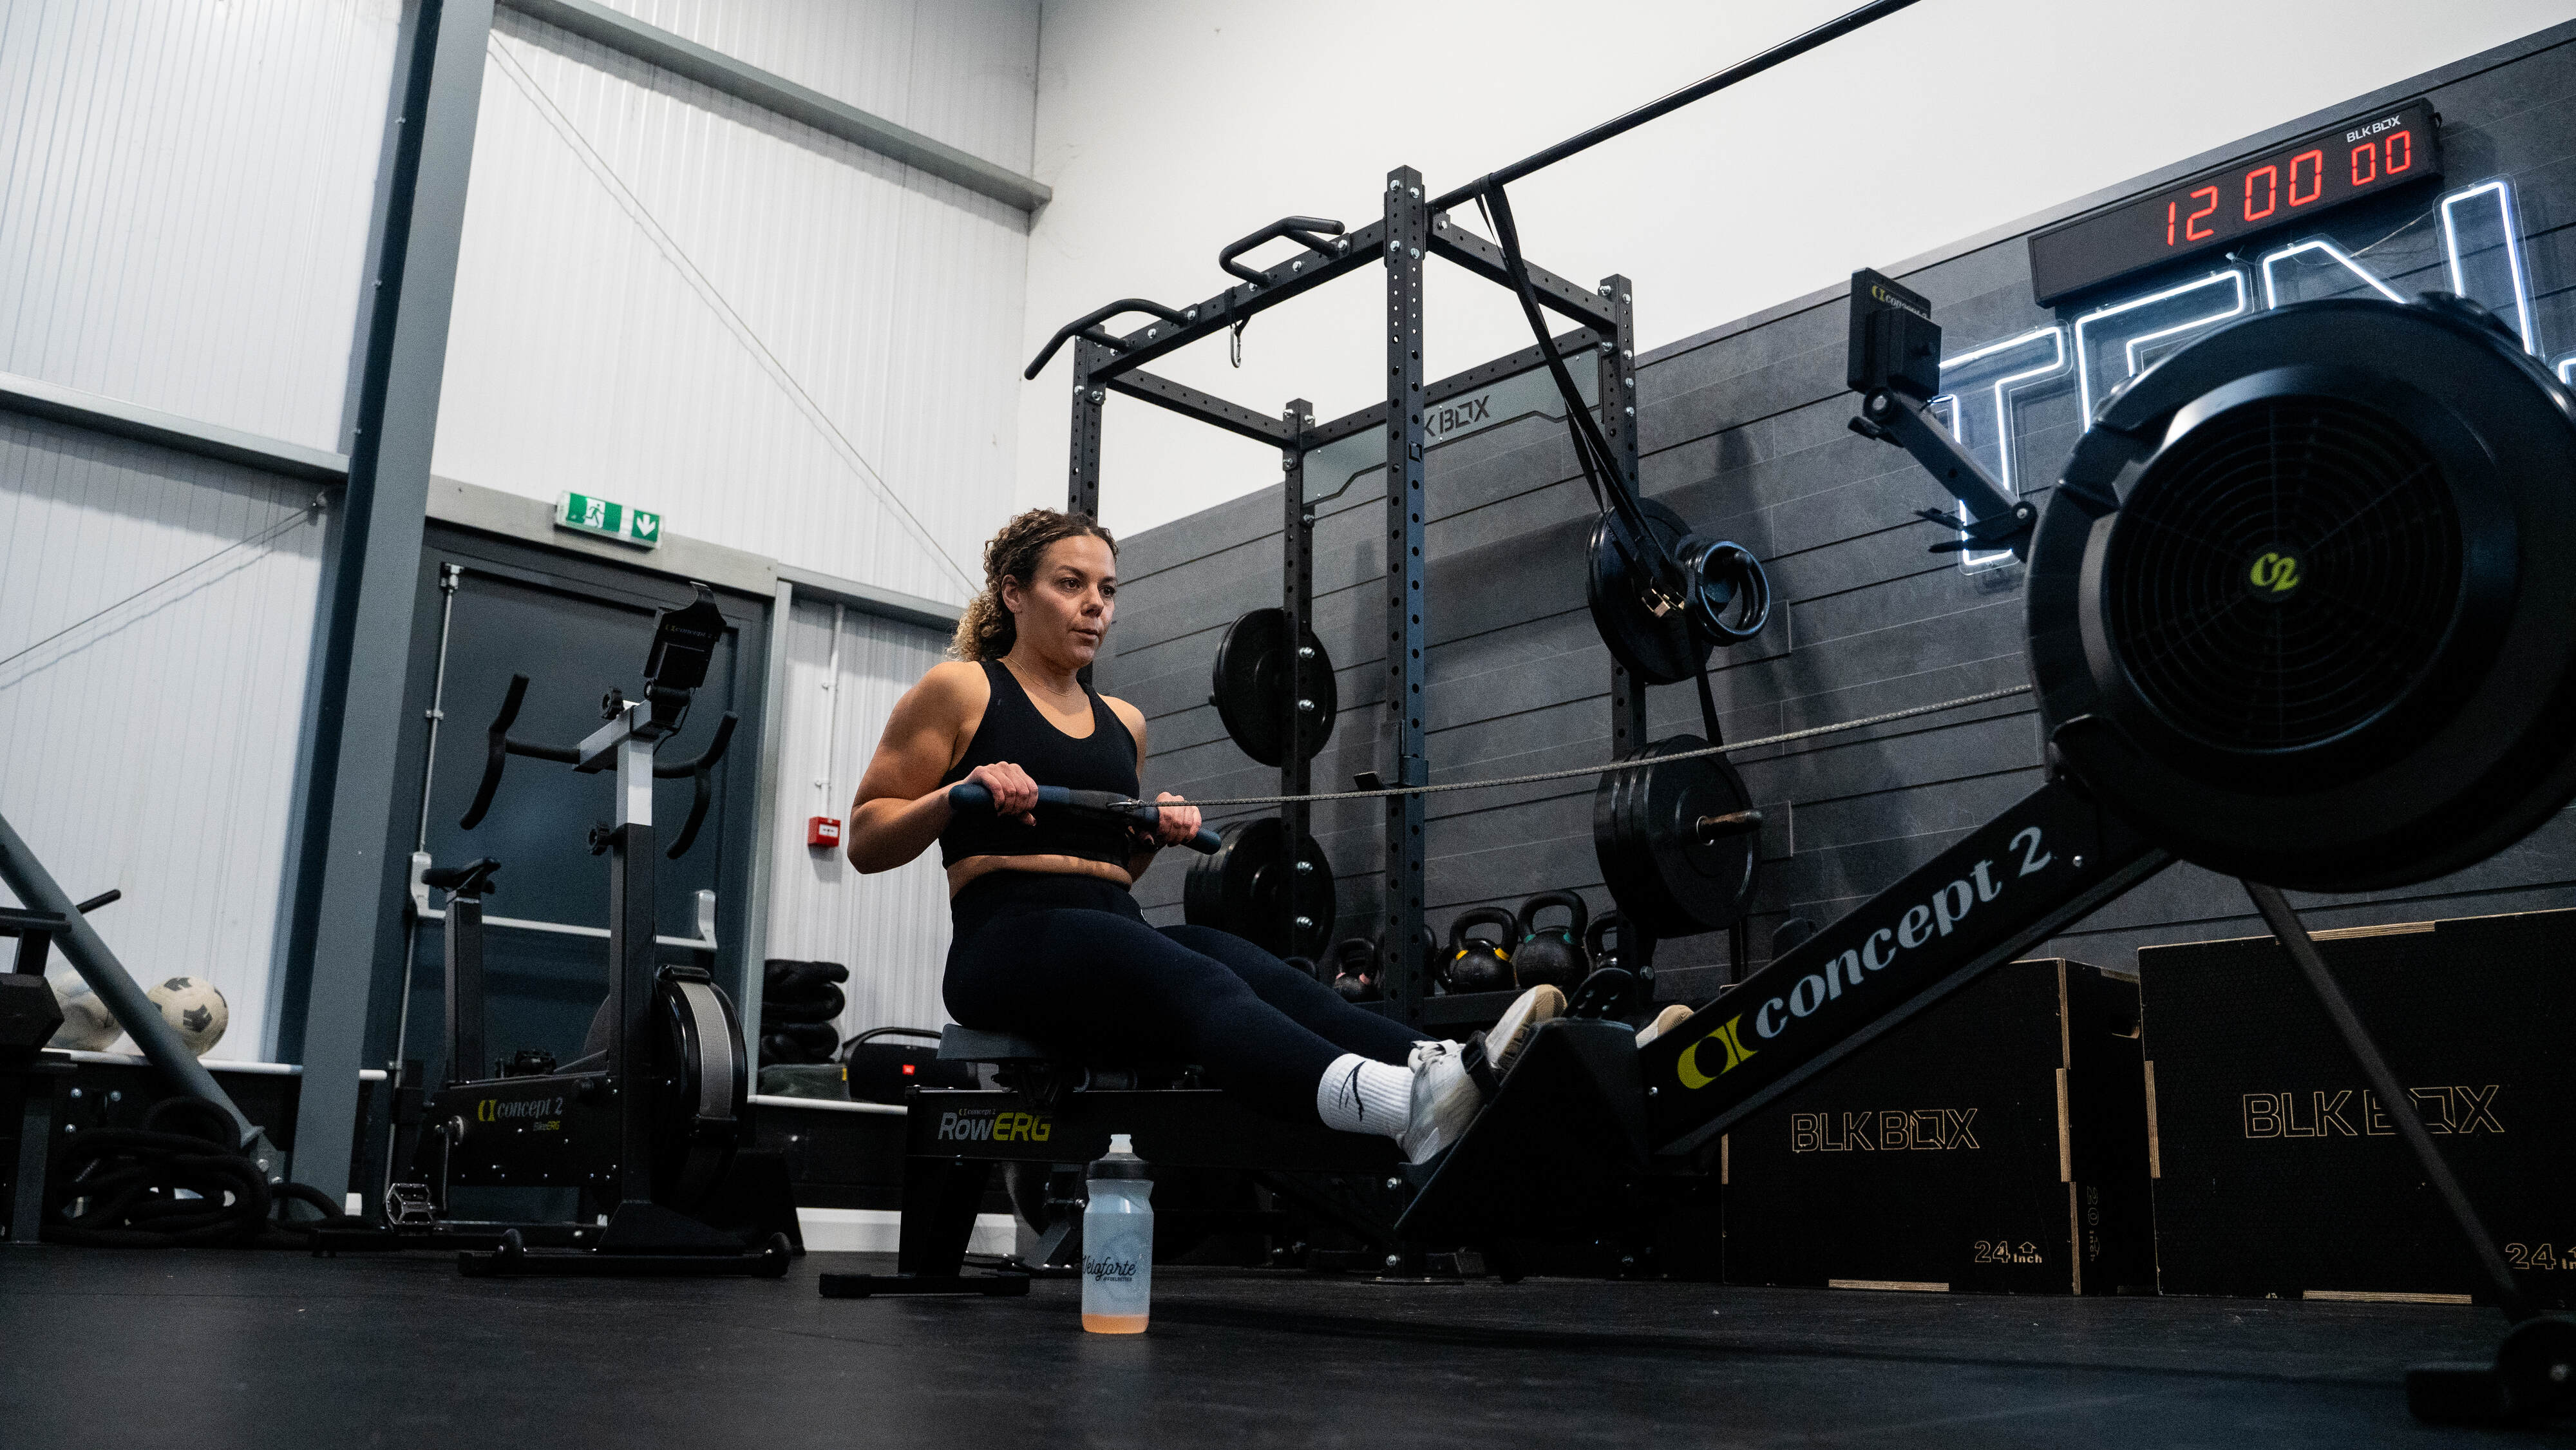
<point x="1114" y="1323"/>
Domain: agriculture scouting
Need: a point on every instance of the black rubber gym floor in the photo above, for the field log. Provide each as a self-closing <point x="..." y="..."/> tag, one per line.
<point x="207" y="1350"/>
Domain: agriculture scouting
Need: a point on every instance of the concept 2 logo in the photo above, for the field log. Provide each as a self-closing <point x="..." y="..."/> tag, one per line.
<point x="1736" y="1052"/>
<point x="1856" y="970"/>
<point x="2275" y="574"/>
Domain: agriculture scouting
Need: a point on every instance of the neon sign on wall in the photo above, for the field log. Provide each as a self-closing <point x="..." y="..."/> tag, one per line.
<point x="1988" y="390"/>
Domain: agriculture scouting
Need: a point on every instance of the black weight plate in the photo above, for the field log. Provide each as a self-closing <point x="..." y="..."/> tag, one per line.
<point x="1239" y="889"/>
<point x="1660" y="651"/>
<point x="1712" y="880"/>
<point x="1664" y="879"/>
<point x="1252" y="674"/>
<point x="1610" y="842"/>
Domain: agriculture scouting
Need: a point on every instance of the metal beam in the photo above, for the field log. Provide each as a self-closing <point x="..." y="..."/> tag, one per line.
<point x="1373" y="417"/>
<point x="347" y="831"/>
<point x="54" y="402"/>
<point x="654" y="46"/>
<point x="1457" y="244"/>
<point x="764" y="830"/>
<point x="869" y="599"/>
<point x="1294" y="277"/>
<point x="1207" y="408"/>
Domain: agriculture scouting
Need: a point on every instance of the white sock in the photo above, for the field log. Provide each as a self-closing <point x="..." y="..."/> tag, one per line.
<point x="1358" y="1095"/>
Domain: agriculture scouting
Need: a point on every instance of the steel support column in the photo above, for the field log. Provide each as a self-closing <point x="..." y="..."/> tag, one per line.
<point x="366" y="633"/>
<point x="1297" y="602"/>
<point x="1615" y="360"/>
<point x="1408" y="236"/>
<point x="1615" y="364"/>
<point x="1082" y="470"/>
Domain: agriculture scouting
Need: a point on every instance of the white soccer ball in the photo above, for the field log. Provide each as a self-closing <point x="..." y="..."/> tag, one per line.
<point x="87" y="1024"/>
<point x="194" y="1010"/>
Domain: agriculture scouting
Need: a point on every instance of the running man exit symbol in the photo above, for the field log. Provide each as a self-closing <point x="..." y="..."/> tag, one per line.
<point x="608" y="518"/>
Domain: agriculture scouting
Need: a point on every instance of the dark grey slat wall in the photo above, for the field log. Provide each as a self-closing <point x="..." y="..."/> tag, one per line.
<point x="1743" y="431"/>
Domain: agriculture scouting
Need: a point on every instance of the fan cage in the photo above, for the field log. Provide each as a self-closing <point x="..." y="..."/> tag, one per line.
<point x="2284" y="575"/>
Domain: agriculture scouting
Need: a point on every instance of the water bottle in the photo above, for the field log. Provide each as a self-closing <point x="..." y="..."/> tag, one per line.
<point x="1117" y="1242"/>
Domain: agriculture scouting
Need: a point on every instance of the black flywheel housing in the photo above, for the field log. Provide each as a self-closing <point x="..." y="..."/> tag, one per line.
<point x="2304" y="605"/>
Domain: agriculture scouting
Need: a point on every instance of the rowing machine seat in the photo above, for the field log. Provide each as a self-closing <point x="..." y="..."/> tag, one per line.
<point x="973" y="1044"/>
<point x="1048" y="1074"/>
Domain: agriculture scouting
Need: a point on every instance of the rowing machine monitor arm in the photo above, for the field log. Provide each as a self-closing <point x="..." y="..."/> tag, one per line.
<point x="1895" y="365"/>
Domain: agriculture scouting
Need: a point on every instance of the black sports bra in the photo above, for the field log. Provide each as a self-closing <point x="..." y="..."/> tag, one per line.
<point x="1012" y="729"/>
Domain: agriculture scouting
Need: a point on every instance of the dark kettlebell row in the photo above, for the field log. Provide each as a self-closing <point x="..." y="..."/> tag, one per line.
<point x="1489" y="949"/>
<point x="1351" y="969"/>
<point x="1494" y="950"/>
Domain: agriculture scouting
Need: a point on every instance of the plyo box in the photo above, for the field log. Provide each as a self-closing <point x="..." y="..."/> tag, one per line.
<point x="1996" y="1143"/>
<point x="2278" y="1173"/>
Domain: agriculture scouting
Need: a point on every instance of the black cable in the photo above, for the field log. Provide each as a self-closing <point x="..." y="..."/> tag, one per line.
<point x="1708" y="704"/>
<point x="272" y="531"/>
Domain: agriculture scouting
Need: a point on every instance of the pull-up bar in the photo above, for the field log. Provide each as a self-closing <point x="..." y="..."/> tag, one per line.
<point x="1695" y="91"/>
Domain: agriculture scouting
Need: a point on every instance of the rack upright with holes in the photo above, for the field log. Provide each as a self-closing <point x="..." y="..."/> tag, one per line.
<point x="1409" y="229"/>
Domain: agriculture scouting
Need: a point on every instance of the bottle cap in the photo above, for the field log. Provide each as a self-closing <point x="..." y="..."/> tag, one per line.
<point x="1120" y="1162"/>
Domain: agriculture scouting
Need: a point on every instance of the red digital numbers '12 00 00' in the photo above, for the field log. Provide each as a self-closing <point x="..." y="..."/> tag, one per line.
<point x="2317" y="172"/>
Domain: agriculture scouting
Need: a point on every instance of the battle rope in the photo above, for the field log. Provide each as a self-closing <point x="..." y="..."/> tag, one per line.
<point x="173" y="1184"/>
<point x="1812" y="731"/>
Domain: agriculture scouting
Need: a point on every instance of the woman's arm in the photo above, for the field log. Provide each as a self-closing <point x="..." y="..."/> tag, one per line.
<point x="901" y="809"/>
<point x="1176" y="824"/>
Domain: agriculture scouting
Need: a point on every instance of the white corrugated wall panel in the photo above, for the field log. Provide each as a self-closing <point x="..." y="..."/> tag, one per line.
<point x="780" y="341"/>
<point x="153" y="748"/>
<point x="185" y="201"/>
<point x="958" y="71"/>
<point x="891" y="930"/>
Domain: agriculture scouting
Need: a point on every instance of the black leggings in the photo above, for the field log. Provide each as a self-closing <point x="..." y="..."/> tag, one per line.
<point x="1069" y="961"/>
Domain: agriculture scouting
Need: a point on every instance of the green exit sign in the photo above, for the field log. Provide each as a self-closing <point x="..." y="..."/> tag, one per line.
<point x="609" y="519"/>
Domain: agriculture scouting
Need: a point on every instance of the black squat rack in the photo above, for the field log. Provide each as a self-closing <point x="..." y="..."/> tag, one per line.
<point x="1412" y="228"/>
<point x="1661" y="597"/>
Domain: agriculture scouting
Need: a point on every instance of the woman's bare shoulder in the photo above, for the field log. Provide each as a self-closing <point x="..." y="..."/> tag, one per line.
<point x="962" y="678"/>
<point x="950" y="691"/>
<point x="1128" y="715"/>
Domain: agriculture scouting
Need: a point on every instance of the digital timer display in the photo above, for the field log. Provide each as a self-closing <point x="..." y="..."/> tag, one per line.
<point x="2377" y="152"/>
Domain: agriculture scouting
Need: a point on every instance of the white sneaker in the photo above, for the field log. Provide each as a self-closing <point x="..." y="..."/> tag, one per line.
<point x="1504" y="1043"/>
<point x="1665" y="1021"/>
<point x="1445" y="1100"/>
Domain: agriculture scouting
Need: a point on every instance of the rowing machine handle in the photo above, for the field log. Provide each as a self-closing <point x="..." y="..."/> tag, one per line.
<point x="971" y="795"/>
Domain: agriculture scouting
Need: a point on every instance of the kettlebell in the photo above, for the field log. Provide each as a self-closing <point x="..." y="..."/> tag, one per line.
<point x="1355" y="969"/>
<point x="1596" y="939"/>
<point x="1551" y="955"/>
<point x="1480" y="966"/>
<point x="1305" y="967"/>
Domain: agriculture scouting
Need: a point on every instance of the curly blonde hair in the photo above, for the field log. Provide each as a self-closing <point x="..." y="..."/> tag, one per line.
<point x="985" y="631"/>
